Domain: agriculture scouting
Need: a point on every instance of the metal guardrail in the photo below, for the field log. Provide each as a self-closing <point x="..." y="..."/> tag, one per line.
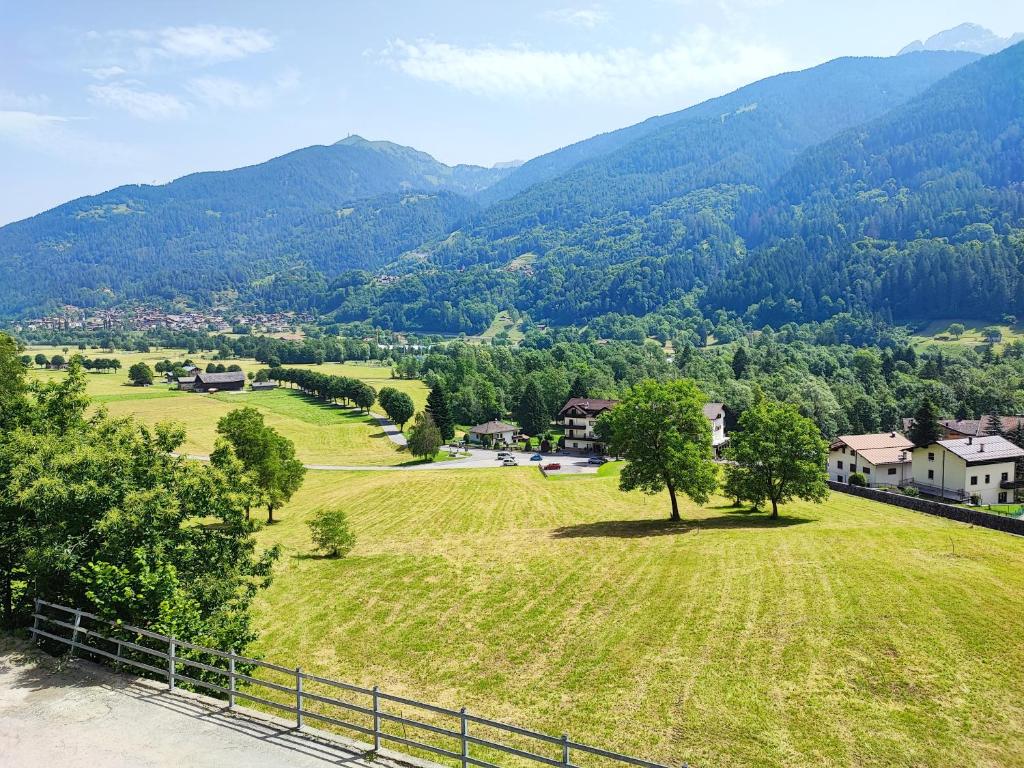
<point x="130" y="646"/>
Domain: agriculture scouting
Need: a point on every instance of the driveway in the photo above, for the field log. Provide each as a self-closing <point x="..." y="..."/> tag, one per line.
<point x="75" y="714"/>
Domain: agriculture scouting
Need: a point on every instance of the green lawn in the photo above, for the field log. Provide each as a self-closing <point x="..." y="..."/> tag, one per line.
<point x="848" y="633"/>
<point x="323" y="434"/>
<point x="936" y="333"/>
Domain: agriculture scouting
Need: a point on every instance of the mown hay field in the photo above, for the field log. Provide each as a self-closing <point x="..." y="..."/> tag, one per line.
<point x="846" y="633"/>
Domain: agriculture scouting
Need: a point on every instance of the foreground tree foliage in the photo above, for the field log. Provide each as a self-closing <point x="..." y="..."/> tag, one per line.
<point x="660" y="429"/>
<point x="96" y="512"/>
<point x="779" y="455"/>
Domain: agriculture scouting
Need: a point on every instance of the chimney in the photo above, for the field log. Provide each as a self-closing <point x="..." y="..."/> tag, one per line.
<point x="892" y="434"/>
<point x="981" y="447"/>
<point x="970" y="440"/>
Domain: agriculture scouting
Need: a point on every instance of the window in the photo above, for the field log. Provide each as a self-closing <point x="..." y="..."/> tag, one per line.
<point x="1002" y="497"/>
<point x="839" y="464"/>
<point x="931" y="474"/>
<point x="974" y="479"/>
<point x="892" y="470"/>
<point x="844" y="449"/>
<point x="839" y="478"/>
<point x="1005" y="477"/>
<point x="867" y="470"/>
<point x="853" y="467"/>
<point x="931" y="456"/>
<point x="987" y="481"/>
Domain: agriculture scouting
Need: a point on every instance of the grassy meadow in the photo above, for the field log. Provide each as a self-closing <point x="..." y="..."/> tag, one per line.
<point x="845" y="633"/>
<point x="936" y="333"/>
<point x="323" y="434"/>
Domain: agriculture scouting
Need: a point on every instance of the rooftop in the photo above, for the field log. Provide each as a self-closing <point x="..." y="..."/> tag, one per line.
<point x="220" y="378"/>
<point x="878" y="440"/>
<point x="493" y="428"/>
<point x="987" y="448"/>
<point x="588" y="404"/>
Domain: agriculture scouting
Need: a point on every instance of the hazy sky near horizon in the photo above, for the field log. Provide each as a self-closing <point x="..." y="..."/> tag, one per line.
<point x="98" y="94"/>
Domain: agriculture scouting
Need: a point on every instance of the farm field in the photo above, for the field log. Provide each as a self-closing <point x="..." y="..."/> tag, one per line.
<point x="323" y="434"/>
<point x="847" y="633"/>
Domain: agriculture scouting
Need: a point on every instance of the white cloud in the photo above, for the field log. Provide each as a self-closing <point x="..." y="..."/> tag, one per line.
<point x="147" y="105"/>
<point x="227" y="92"/>
<point x="21" y="102"/>
<point x="212" y="43"/>
<point x="695" y="62"/>
<point x="588" y="18"/>
<point x="105" y="73"/>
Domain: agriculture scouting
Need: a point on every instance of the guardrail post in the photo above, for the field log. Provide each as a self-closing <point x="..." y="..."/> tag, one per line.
<point x="35" y="620"/>
<point x="464" y="723"/>
<point x="74" y="632"/>
<point x="376" y="719"/>
<point x="298" y="697"/>
<point x="231" y="680"/>
<point x="170" y="663"/>
<point x="565" y="749"/>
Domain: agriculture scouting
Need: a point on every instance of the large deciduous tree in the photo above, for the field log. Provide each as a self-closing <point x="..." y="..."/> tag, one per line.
<point x="397" y="405"/>
<point x="140" y="374"/>
<point x="424" y="437"/>
<point x="266" y="454"/>
<point x="661" y="431"/>
<point x="779" y="455"/>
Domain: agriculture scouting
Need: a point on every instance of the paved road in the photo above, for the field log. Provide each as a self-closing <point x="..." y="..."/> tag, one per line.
<point x="80" y="715"/>
<point x="475" y="459"/>
<point x="390" y="429"/>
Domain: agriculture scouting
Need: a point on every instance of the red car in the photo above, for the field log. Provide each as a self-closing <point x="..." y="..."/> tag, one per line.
<point x="553" y="465"/>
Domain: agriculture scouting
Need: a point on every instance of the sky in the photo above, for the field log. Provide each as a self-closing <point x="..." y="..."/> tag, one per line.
<point x="98" y="94"/>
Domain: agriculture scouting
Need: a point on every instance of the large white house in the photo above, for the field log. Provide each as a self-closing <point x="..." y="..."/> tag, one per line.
<point x="883" y="459"/>
<point x="977" y="469"/>
<point x="579" y="415"/>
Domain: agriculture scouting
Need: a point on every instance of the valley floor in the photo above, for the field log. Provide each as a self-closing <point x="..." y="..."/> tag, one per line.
<point x="847" y="633"/>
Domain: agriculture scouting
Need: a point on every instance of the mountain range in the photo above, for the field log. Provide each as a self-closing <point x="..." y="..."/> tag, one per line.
<point x="887" y="186"/>
<point x="972" y="38"/>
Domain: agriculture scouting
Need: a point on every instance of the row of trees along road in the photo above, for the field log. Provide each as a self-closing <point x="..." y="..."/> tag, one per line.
<point x="100" y="513"/>
<point x="660" y="429"/>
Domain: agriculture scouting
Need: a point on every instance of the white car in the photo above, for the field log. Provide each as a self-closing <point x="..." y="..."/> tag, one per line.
<point x="509" y="461"/>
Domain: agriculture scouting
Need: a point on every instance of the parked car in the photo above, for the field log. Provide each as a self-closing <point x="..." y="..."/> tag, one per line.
<point x="509" y="461"/>
<point x="504" y="454"/>
<point x="536" y="457"/>
<point x="599" y="460"/>
<point x="552" y="466"/>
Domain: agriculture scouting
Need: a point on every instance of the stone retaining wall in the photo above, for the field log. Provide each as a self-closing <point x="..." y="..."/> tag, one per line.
<point x="962" y="514"/>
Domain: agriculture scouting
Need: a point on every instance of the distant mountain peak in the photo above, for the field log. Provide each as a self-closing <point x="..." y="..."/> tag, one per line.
<point x="969" y="37"/>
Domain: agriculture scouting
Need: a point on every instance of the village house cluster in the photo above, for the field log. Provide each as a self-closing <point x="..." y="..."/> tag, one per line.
<point x="965" y="465"/>
<point x="144" y="318"/>
<point x="577" y="418"/>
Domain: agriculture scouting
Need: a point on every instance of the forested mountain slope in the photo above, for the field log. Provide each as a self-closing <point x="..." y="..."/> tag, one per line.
<point x="633" y="228"/>
<point x="917" y="214"/>
<point x="302" y="216"/>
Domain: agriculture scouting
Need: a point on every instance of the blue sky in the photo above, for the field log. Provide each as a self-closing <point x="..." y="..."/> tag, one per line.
<point x="97" y="94"/>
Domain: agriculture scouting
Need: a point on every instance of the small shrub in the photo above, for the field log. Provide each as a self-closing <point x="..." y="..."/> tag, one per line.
<point x="330" y="531"/>
<point x="911" y="491"/>
<point x="858" y="480"/>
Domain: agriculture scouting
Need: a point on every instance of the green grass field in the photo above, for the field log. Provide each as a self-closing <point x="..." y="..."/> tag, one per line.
<point x="848" y="633"/>
<point x="935" y="333"/>
<point x="323" y="434"/>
